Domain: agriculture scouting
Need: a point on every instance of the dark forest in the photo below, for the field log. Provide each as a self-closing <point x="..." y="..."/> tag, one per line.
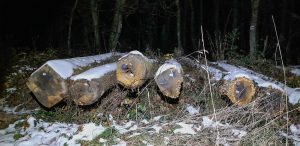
<point x="98" y="26"/>
<point x="149" y="72"/>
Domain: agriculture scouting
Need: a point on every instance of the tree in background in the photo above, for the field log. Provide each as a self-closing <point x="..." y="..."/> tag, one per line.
<point x="116" y="24"/>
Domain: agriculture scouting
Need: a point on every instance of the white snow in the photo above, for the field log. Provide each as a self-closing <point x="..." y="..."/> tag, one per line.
<point x="121" y="143"/>
<point x="270" y="85"/>
<point x="11" y="90"/>
<point x="166" y="140"/>
<point x="185" y="128"/>
<point x="157" y="118"/>
<point x="96" y="72"/>
<point x="295" y="71"/>
<point x="295" y="134"/>
<point x="44" y="133"/>
<point x="12" y="110"/>
<point x="65" y="67"/>
<point x="216" y="74"/>
<point x="294" y="97"/>
<point x="127" y="127"/>
<point x="209" y="123"/>
<point x="146" y="143"/>
<point x="192" y="110"/>
<point x="135" y="52"/>
<point x="295" y="129"/>
<point x="169" y="64"/>
<point x="238" y="133"/>
<point x="156" y="127"/>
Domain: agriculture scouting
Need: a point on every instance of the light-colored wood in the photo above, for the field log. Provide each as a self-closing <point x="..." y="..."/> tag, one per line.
<point x="133" y="70"/>
<point x="240" y="90"/>
<point x="50" y="82"/>
<point x="86" y="92"/>
<point x="47" y="86"/>
<point x="169" y="80"/>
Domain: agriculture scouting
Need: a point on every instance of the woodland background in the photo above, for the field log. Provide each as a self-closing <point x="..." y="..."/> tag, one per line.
<point x="82" y="27"/>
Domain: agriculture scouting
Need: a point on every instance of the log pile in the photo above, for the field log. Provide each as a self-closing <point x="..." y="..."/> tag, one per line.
<point x="58" y="79"/>
<point x="50" y="82"/>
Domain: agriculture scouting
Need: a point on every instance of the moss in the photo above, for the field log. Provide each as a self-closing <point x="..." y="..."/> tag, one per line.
<point x="17" y="136"/>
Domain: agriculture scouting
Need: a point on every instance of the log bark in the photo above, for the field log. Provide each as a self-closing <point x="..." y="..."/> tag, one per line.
<point x="50" y="84"/>
<point x="134" y="69"/>
<point x="169" y="78"/>
<point x="86" y="88"/>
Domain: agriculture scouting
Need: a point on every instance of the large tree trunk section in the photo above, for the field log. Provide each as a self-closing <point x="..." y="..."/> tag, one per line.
<point x="169" y="78"/>
<point x="86" y="88"/>
<point x="134" y="69"/>
<point x="49" y="82"/>
<point x="240" y="90"/>
<point x="48" y="86"/>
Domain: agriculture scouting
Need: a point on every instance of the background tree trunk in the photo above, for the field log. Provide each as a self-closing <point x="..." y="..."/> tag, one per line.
<point x="253" y="23"/>
<point x="95" y="20"/>
<point x="116" y="24"/>
<point x="179" y="50"/>
<point x="70" y="25"/>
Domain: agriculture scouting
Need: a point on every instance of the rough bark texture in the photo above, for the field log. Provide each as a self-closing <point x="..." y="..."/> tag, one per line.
<point x="134" y="70"/>
<point x="179" y="50"/>
<point x="169" y="81"/>
<point x="117" y="24"/>
<point x="94" y="13"/>
<point x="252" y="38"/>
<point x="47" y="86"/>
<point x="239" y="90"/>
<point x="86" y="92"/>
<point x="50" y="87"/>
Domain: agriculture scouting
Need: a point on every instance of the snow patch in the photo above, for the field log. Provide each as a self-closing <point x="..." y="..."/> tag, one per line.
<point x="270" y="85"/>
<point x="65" y="67"/>
<point x="192" y="110"/>
<point x="238" y="133"/>
<point x="44" y="133"/>
<point x="135" y="52"/>
<point x="96" y="72"/>
<point x="11" y="90"/>
<point x="156" y="128"/>
<point x="294" y="97"/>
<point x="185" y="128"/>
<point x="295" y="71"/>
<point x="169" y="64"/>
<point x="12" y="110"/>
<point x="209" y="123"/>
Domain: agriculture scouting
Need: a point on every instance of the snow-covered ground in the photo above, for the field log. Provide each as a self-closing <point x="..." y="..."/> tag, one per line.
<point x="39" y="132"/>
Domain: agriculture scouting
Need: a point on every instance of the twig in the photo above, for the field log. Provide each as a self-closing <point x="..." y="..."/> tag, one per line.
<point x="284" y="75"/>
<point x="210" y="88"/>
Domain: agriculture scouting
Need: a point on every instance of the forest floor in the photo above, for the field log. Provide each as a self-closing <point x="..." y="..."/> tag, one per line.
<point x="200" y="117"/>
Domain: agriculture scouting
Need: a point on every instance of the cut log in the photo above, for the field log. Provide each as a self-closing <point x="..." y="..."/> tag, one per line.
<point x="86" y="88"/>
<point x="169" y="78"/>
<point x="49" y="82"/>
<point x="134" y="69"/>
<point x="239" y="88"/>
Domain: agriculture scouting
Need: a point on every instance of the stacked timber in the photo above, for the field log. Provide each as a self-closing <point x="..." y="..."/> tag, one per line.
<point x="50" y="82"/>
